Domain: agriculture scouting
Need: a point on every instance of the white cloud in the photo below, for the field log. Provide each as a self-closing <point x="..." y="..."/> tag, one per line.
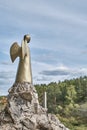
<point x="54" y="73"/>
<point x="63" y="72"/>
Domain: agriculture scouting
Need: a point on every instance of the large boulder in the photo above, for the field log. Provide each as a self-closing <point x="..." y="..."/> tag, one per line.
<point x="23" y="111"/>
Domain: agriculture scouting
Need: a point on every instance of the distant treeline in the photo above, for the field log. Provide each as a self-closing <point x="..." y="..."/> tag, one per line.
<point x="68" y="93"/>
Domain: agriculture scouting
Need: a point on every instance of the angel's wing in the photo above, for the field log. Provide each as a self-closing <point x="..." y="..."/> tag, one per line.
<point x="14" y="51"/>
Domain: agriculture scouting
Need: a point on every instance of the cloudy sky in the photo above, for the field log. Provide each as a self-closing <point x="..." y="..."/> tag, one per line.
<point x="58" y="30"/>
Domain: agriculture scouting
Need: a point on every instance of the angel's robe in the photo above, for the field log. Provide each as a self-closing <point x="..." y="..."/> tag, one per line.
<point x="24" y="73"/>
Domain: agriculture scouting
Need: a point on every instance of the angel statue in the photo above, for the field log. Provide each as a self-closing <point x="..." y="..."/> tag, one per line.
<point x="24" y="73"/>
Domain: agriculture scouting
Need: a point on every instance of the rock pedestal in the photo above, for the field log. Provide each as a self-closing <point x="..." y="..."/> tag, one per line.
<point x="23" y="111"/>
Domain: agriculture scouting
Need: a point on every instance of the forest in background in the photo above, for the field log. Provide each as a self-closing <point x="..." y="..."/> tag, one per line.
<point x="67" y="99"/>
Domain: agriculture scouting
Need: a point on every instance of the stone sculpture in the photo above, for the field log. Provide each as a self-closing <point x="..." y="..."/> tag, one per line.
<point x="24" y="73"/>
<point x="23" y="111"/>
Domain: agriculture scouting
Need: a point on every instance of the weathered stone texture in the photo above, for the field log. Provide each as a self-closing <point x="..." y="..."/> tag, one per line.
<point x="23" y="111"/>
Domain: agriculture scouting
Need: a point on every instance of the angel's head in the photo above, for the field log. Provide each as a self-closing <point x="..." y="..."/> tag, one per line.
<point x="27" y="38"/>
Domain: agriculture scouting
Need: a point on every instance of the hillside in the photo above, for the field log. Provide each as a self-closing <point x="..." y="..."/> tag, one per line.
<point x="68" y="100"/>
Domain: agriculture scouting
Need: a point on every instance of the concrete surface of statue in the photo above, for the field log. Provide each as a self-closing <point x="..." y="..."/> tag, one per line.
<point x="24" y="73"/>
